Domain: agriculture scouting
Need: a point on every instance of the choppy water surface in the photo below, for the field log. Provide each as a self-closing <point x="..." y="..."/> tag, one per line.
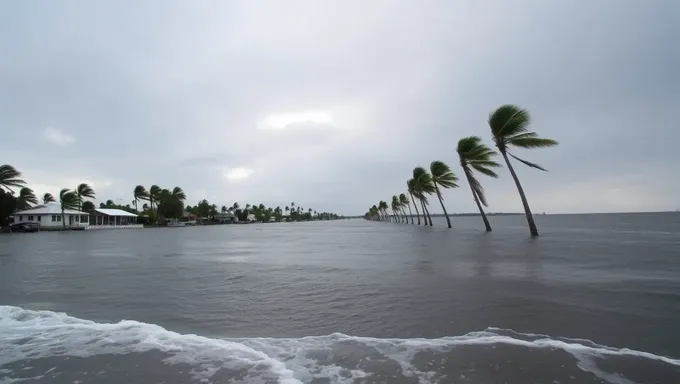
<point x="595" y="299"/>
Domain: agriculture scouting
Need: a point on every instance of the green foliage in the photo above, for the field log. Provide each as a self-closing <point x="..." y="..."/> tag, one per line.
<point x="10" y="177"/>
<point x="26" y="198"/>
<point x="475" y="156"/>
<point x="48" y="198"/>
<point x="8" y="205"/>
<point x="510" y="128"/>
<point x="88" y="206"/>
<point x="441" y="175"/>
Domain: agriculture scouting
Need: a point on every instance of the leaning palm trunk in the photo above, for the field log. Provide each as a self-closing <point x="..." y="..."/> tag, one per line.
<point x="530" y="218"/>
<point x="410" y="213"/>
<point x="416" y="207"/>
<point x="474" y="195"/>
<point x="439" y="195"/>
<point x="63" y="217"/>
<point x="404" y="215"/>
<point x="426" y="213"/>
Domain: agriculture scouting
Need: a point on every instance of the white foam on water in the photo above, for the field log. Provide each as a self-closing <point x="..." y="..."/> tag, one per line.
<point x="27" y="334"/>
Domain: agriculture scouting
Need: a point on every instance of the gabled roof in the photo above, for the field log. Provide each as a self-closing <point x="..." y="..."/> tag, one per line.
<point x="114" y="212"/>
<point x="49" y="209"/>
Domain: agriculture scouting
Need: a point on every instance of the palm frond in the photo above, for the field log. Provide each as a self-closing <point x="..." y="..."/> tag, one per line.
<point x="477" y="189"/>
<point x="508" y="120"/>
<point x="48" y="198"/>
<point x="10" y="177"/>
<point x="484" y="170"/>
<point x="84" y="190"/>
<point x="442" y="175"/>
<point x="531" y="142"/>
<point x="532" y="165"/>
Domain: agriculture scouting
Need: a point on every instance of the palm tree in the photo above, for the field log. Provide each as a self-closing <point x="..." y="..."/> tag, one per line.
<point x="474" y="155"/>
<point x="423" y="187"/>
<point x="442" y="176"/>
<point x="10" y="177"/>
<point x="140" y="193"/>
<point x="509" y="128"/>
<point x="382" y="206"/>
<point x="83" y="190"/>
<point x="154" y="193"/>
<point x="224" y="209"/>
<point x="26" y="198"/>
<point x="48" y="198"/>
<point x="410" y="184"/>
<point x="178" y="194"/>
<point x="395" y="207"/>
<point x="68" y="200"/>
<point x="404" y="201"/>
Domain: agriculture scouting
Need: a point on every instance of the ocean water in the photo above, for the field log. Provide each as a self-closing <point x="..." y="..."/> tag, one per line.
<point x="595" y="299"/>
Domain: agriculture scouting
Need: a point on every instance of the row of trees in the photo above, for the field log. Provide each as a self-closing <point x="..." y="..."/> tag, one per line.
<point x="509" y="128"/>
<point x="155" y="203"/>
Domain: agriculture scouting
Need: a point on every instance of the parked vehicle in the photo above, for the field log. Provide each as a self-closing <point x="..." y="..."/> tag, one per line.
<point x="24" y="227"/>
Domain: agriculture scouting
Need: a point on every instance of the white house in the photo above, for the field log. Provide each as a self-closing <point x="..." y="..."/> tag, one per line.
<point x="110" y="218"/>
<point x="49" y="216"/>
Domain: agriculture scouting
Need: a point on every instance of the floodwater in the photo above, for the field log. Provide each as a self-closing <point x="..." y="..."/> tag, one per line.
<point x="595" y="299"/>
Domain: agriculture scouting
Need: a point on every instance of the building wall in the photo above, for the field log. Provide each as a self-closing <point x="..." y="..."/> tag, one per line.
<point x="50" y="220"/>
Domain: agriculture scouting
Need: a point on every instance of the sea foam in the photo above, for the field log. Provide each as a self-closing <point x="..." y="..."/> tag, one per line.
<point x="27" y="334"/>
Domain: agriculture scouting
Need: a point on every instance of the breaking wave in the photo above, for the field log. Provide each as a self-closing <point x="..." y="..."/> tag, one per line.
<point x="27" y="335"/>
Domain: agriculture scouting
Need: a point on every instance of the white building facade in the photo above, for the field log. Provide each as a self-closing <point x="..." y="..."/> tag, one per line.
<point x="49" y="216"/>
<point x="109" y="218"/>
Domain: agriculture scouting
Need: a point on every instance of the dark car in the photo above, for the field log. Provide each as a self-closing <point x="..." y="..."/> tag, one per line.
<point x="24" y="227"/>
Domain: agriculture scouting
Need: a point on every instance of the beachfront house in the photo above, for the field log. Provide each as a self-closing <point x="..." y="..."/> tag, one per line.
<point x="48" y="216"/>
<point x="110" y="218"/>
<point x="227" y="217"/>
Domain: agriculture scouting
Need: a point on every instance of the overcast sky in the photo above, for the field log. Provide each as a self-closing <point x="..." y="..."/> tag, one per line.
<point x="332" y="103"/>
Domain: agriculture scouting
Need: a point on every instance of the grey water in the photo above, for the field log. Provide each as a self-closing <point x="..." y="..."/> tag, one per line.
<point x="596" y="298"/>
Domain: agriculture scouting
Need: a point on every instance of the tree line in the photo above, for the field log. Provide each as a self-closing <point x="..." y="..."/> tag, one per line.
<point x="155" y="203"/>
<point x="509" y="127"/>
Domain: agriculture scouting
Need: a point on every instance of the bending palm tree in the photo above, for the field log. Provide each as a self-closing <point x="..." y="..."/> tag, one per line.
<point x="140" y="193"/>
<point x="508" y="126"/>
<point x="26" y="198"/>
<point x="382" y="206"/>
<point x="10" y="177"/>
<point x="48" y="198"/>
<point x="68" y="200"/>
<point x="423" y="187"/>
<point x="410" y="184"/>
<point x="474" y="155"/>
<point x="404" y="201"/>
<point x="82" y="191"/>
<point x="395" y="208"/>
<point x="442" y="175"/>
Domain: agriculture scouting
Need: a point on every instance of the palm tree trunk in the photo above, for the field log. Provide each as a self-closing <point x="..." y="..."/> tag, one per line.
<point x="429" y="217"/>
<point x="403" y="211"/>
<point x="439" y="195"/>
<point x="63" y="217"/>
<point x="410" y="213"/>
<point x="530" y="218"/>
<point x="474" y="194"/>
<point x="416" y="207"/>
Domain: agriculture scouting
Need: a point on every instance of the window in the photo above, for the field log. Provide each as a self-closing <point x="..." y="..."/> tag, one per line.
<point x="54" y="218"/>
<point x="30" y="218"/>
<point x="21" y="218"/>
<point x="58" y="218"/>
<point x="77" y="218"/>
<point x="39" y="217"/>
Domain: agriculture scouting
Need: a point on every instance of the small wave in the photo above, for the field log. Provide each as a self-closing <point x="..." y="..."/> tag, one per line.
<point x="28" y="334"/>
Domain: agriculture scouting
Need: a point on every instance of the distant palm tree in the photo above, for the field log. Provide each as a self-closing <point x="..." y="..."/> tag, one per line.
<point x="509" y="128"/>
<point x="235" y="206"/>
<point x="423" y="187"/>
<point x="154" y="193"/>
<point x="404" y="201"/>
<point x="395" y="207"/>
<point x="10" y="177"/>
<point x="145" y="206"/>
<point x="442" y="176"/>
<point x="178" y="194"/>
<point x="140" y="193"/>
<point x="68" y="200"/>
<point x="224" y="209"/>
<point x="382" y="206"/>
<point x="410" y="184"/>
<point x="48" y="198"/>
<point x="83" y="190"/>
<point x="26" y="198"/>
<point x="475" y="156"/>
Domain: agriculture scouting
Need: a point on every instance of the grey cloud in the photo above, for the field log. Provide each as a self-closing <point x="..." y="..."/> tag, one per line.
<point x="173" y="95"/>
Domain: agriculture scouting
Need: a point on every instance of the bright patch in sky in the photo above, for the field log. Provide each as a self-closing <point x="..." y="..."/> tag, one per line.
<point x="281" y="121"/>
<point x="57" y="137"/>
<point x="238" y="173"/>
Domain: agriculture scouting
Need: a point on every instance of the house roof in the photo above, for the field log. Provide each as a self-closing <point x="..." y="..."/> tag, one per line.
<point x="114" y="212"/>
<point x="49" y="209"/>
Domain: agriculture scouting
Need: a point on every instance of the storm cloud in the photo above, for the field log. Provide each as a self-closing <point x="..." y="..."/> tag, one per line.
<point x="332" y="103"/>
